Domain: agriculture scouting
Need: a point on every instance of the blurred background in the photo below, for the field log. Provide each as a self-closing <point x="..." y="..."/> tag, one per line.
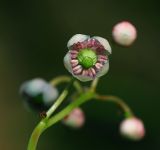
<point x="33" y="37"/>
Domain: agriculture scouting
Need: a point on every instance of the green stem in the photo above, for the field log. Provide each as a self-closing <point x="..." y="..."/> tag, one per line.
<point x="83" y="98"/>
<point x="94" y="84"/>
<point x="127" y="111"/>
<point x="57" y="103"/>
<point x="42" y="125"/>
<point x="33" y="141"/>
<point x="62" y="79"/>
<point x="46" y="123"/>
<point x="59" y="100"/>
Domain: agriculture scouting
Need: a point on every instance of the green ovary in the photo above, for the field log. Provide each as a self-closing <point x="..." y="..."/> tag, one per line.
<point x="87" y="58"/>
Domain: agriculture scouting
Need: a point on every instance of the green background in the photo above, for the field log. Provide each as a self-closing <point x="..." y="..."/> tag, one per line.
<point x="33" y="37"/>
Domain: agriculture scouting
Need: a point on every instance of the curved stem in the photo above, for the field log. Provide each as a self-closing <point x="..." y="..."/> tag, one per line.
<point x="94" y="84"/>
<point x="33" y="141"/>
<point x="61" y="79"/>
<point x="83" y="98"/>
<point x="47" y="122"/>
<point x="127" y="111"/>
<point x="59" y="100"/>
<point x="42" y="125"/>
<point x="57" y="103"/>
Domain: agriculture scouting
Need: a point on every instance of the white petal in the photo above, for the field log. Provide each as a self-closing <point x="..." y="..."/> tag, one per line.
<point x="77" y="38"/>
<point x="104" y="43"/>
<point x="104" y="70"/>
<point x="67" y="62"/>
<point x="83" y="78"/>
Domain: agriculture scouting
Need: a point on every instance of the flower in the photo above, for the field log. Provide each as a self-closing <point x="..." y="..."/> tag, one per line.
<point x="87" y="57"/>
<point x="75" y="119"/>
<point x="38" y="94"/>
<point x="132" y="128"/>
<point x="124" y="33"/>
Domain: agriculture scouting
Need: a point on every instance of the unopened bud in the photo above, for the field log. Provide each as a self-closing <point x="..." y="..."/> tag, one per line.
<point x="38" y="94"/>
<point x="75" y="119"/>
<point x="124" y="33"/>
<point x="132" y="128"/>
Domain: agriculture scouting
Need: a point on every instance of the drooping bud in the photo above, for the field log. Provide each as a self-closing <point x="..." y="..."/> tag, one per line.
<point x="132" y="128"/>
<point x="124" y="33"/>
<point x="75" y="119"/>
<point x="38" y="95"/>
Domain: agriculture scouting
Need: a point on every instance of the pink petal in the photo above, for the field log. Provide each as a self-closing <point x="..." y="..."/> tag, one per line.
<point x="74" y="52"/>
<point x="98" y="65"/>
<point x="93" y="71"/>
<point x="77" y="68"/>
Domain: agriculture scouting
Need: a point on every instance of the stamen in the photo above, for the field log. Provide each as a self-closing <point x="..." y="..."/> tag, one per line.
<point x="74" y="52"/>
<point x="73" y="56"/>
<point x="90" y="43"/>
<point x="98" y="65"/>
<point x="90" y="73"/>
<point x="77" y="68"/>
<point x="93" y="41"/>
<point x="77" y="46"/>
<point x="87" y="73"/>
<point x="78" y="71"/>
<point x="102" y="57"/>
<point x="84" y="72"/>
<point x="101" y="60"/>
<point x="93" y="71"/>
<point x="100" y="47"/>
<point x="74" y="64"/>
<point x="74" y="61"/>
<point x="84" y="44"/>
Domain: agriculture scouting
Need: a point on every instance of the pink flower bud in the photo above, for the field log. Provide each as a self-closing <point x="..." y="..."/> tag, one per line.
<point x="124" y="33"/>
<point x="132" y="128"/>
<point x="75" y="119"/>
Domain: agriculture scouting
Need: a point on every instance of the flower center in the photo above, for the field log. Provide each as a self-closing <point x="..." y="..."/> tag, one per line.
<point x="87" y="58"/>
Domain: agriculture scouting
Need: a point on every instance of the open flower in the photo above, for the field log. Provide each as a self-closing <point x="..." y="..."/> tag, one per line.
<point x="132" y="128"/>
<point x="87" y="57"/>
<point x="38" y="94"/>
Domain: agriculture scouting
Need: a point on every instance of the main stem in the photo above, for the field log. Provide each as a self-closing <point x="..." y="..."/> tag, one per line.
<point x="82" y="99"/>
<point x="42" y="125"/>
<point x="32" y="145"/>
<point x="47" y="122"/>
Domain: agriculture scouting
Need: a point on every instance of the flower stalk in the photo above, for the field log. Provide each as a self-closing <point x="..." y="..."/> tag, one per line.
<point x="94" y="84"/>
<point x="47" y="122"/>
<point x="66" y="79"/>
<point x="33" y="141"/>
<point x="82" y="99"/>
<point x="110" y="98"/>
